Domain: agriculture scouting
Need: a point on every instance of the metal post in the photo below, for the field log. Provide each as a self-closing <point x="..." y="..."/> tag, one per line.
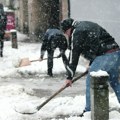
<point x="14" y="38"/>
<point x="99" y="97"/>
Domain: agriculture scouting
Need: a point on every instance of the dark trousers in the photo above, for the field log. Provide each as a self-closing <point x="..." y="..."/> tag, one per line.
<point x="50" y="61"/>
<point x="1" y="47"/>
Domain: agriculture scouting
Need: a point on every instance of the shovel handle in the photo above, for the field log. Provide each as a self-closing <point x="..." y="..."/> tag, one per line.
<point x="60" y="90"/>
<point x="39" y="59"/>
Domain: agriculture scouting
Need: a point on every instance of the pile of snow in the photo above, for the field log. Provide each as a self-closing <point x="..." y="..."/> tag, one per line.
<point x="12" y="58"/>
<point x="15" y="100"/>
<point x="99" y="73"/>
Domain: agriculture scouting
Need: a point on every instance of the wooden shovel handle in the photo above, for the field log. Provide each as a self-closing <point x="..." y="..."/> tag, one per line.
<point x="39" y="59"/>
<point x="60" y="90"/>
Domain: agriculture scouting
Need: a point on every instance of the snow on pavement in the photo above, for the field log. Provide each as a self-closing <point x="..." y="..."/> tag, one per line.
<point x="17" y="97"/>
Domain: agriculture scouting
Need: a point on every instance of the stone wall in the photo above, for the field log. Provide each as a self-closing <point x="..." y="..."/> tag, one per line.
<point x="64" y="9"/>
<point x="22" y="16"/>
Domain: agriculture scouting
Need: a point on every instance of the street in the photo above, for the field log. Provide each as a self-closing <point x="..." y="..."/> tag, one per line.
<point x="45" y="86"/>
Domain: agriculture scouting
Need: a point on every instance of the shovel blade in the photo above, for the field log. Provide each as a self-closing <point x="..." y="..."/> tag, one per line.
<point x="24" y="62"/>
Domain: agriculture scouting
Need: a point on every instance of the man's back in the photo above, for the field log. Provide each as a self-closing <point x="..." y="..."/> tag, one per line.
<point x="54" y="38"/>
<point x="91" y="39"/>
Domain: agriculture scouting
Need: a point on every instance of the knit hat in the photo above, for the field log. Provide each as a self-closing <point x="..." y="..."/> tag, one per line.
<point x="66" y="24"/>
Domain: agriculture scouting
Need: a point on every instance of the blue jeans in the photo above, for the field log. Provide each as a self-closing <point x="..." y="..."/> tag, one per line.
<point x="110" y="63"/>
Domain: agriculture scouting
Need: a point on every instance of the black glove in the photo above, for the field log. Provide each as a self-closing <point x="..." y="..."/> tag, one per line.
<point x="59" y="56"/>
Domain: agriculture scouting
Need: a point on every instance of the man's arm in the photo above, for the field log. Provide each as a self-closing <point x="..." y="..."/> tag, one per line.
<point x="64" y="58"/>
<point x="71" y="67"/>
<point x="74" y="58"/>
<point x="76" y="49"/>
<point x="63" y="47"/>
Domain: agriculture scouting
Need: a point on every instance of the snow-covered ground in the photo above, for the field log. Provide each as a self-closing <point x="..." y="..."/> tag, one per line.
<point x="16" y="97"/>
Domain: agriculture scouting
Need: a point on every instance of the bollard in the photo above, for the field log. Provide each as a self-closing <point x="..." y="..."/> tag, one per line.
<point x="14" y="38"/>
<point x="99" y="95"/>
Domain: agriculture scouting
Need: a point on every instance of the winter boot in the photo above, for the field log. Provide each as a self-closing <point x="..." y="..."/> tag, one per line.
<point x="1" y="54"/>
<point x="82" y="114"/>
<point x="50" y="73"/>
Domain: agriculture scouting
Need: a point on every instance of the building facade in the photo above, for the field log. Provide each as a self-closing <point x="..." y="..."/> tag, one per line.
<point x="33" y="17"/>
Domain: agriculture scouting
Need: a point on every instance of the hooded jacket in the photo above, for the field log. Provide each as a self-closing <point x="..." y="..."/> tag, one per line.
<point x="90" y="40"/>
<point x="53" y="39"/>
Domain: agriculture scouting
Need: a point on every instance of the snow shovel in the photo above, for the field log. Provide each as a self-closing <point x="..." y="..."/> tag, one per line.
<point x="26" y="61"/>
<point x="46" y="101"/>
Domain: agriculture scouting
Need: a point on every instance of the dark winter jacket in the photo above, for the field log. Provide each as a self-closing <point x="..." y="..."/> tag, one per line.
<point x="53" y="39"/>
<point x="3" y="21"/>
<point x="90" y="40"/>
